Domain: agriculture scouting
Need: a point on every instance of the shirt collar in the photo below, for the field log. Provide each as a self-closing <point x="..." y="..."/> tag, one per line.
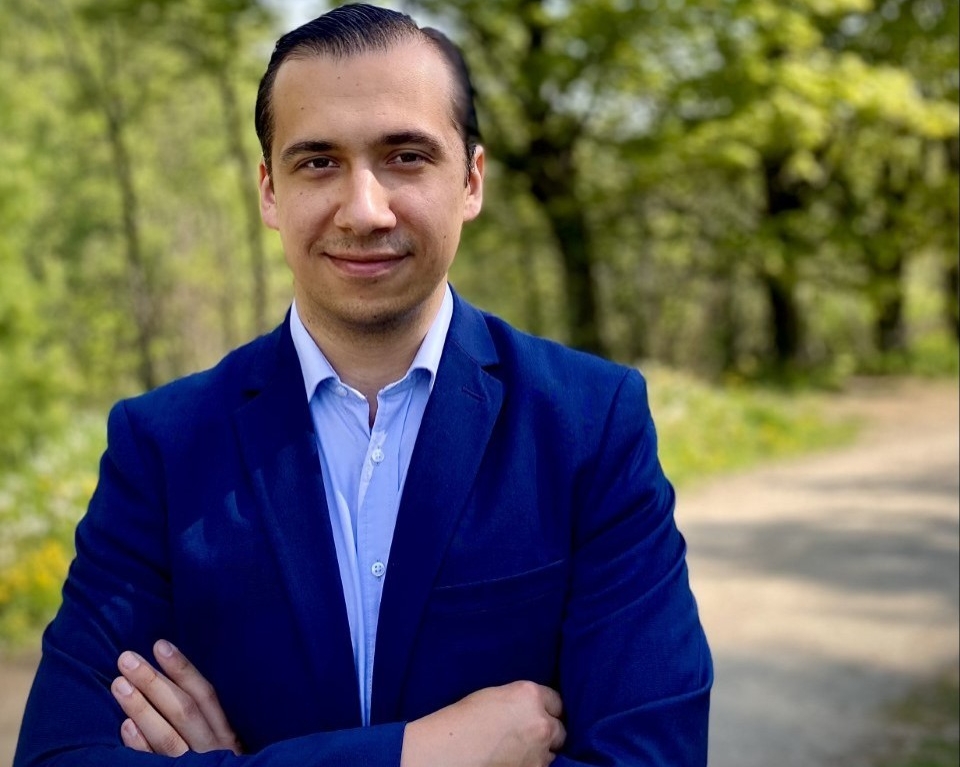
<point x="316" y="368"/>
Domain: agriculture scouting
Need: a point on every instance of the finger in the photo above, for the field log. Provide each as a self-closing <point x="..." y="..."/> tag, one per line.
<point x="559" y="737"/>
<point x="157" y="732"/>
<point x="132" y="737"/>
<point x="552" y="701"/>
<point x="169" y="702"/>
<point x="185" y="675"/>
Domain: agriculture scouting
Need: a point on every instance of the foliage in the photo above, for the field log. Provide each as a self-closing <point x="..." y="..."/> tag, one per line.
<point x="30" y="591"/>
<point x="741" y="165"/>
<point x="39" y="508"/>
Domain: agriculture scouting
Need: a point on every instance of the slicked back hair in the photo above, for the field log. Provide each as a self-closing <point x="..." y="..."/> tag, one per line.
<point x="354" y="29"/>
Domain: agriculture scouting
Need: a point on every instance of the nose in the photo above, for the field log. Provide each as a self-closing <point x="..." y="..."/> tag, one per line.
<point x="364" y="207"/>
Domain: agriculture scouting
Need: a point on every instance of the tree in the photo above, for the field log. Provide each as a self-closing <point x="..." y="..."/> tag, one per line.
<point x="551" y="75"/>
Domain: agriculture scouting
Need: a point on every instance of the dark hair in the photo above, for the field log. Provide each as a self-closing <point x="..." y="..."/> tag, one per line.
<point x="358" y="28"/>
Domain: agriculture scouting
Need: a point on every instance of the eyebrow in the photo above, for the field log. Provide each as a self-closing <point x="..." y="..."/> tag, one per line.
<point x="417" y="138"/>
<point x="400" y="138"/>
<point x="306" y="147"/>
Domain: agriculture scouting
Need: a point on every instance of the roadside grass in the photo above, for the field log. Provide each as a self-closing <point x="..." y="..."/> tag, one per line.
<point x="924" y="726"/>
<point x="705" y="430"/>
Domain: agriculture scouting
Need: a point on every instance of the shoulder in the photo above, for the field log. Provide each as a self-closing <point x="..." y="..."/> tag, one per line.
<point x="186" y="402"/>
<point x="549" y="362"/>
<point x="545" y="377"/>
<point x="548" y="367"/>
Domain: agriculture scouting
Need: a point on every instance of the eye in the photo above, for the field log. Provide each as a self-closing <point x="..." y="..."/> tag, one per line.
<point x="408" y="157"/>
<point x="318" y="163"/>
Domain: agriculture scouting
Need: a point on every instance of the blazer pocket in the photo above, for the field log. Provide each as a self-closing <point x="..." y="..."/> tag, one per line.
<point x="498" y="593"/>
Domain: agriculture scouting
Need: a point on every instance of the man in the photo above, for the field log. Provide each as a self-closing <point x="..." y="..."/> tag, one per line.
<point x="395" y="530"/>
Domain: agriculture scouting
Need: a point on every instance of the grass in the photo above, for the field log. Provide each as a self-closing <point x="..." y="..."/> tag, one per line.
<point x="925" y="726"/>
<point x="704" y="430"/>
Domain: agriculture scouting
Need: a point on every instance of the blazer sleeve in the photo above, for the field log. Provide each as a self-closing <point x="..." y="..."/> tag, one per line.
<point x="635" y="669"/>
<point x="117" y="597"/>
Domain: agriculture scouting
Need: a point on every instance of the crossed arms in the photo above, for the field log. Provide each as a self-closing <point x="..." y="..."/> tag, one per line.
<point x="176" y="710"/>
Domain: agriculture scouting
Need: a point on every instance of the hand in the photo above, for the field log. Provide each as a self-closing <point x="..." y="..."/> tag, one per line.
<point x="516" y="725"/>
<point x="170" y="714"/>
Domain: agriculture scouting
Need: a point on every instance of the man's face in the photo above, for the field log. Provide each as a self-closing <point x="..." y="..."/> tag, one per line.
<point x="367" y="186"/>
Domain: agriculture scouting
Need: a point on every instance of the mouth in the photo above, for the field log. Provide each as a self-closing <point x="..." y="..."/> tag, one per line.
<point x="365" y="264"/>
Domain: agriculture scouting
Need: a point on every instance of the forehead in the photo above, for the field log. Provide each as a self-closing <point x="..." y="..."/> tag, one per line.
<point x="409" y="81"/>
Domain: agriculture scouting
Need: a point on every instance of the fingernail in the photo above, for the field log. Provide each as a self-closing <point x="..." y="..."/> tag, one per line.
<point x="129" y="661"/>
<point x="124" y="687"/>
<point x="165" y="649"/>
<point x="129" y="728"/>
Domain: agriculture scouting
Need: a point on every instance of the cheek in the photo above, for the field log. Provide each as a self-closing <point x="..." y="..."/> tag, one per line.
<point x="433" y="218"/>
<point x="301" y="218"/>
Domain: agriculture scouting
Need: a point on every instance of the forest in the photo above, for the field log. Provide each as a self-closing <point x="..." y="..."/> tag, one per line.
<point x="741" y="190"/>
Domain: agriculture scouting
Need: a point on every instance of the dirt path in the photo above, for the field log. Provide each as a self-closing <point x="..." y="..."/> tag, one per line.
<point x="828" y="585"/>
<point x="16" y="674"/>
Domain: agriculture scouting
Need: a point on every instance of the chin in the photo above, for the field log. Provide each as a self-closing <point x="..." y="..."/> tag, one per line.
<point x="379" y="318"/>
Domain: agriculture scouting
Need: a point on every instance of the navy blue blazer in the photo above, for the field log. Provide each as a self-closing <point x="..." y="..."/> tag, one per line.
<point x="535" y="540"/>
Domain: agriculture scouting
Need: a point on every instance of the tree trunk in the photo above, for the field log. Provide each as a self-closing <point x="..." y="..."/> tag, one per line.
<point x="532" y="306"/>
<point x="723" y="324"/>
<point x="952" y="298"/>
<point x="249" y="200"/>
<point x="572" y="235"/>
<point x="952" y="271"/>
<point x="889" y="332"/>
<point x="787" y="328"/>
<point x="548" y="165"/>
<point x="785" y="320"/>
<point x="142" y="300"/>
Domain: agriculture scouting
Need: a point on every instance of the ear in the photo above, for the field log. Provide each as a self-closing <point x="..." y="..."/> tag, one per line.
<point x="474" y="194"/>
<point x="268" y="198"/>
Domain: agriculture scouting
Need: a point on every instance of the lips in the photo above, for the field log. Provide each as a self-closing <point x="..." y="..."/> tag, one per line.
<point x="365" y="264"/>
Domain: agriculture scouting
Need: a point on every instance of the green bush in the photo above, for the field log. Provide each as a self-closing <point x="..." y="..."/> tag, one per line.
<point x="40" y="504"/>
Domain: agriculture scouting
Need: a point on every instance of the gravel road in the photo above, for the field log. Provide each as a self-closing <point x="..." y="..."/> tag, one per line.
<point x="828" y="586"/>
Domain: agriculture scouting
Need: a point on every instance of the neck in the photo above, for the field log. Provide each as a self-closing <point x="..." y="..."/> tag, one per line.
<point x="369" y="358"/>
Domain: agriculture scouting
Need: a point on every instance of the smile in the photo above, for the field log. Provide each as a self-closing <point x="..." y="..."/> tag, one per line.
<point x="366" y="265"/>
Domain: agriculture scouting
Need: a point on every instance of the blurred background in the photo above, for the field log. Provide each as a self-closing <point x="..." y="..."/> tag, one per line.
<point x="753" y="200"/>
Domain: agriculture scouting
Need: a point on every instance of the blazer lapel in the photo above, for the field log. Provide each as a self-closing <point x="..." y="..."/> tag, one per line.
<point x="280" y="449"/>
<point x="456" y="428"/>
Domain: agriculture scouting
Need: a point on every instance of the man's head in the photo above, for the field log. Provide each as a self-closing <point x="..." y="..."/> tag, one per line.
<point x="365" y="146"/>
<point x="354" y="29"/>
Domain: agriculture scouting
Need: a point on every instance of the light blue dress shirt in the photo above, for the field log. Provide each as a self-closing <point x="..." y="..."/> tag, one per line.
<point x="364" y="470"/>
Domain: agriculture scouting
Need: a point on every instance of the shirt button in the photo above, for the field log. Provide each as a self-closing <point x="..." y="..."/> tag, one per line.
<point x="341" y="391"/>
<point x="377" y="455"/>
<point x="378" y="569"/>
